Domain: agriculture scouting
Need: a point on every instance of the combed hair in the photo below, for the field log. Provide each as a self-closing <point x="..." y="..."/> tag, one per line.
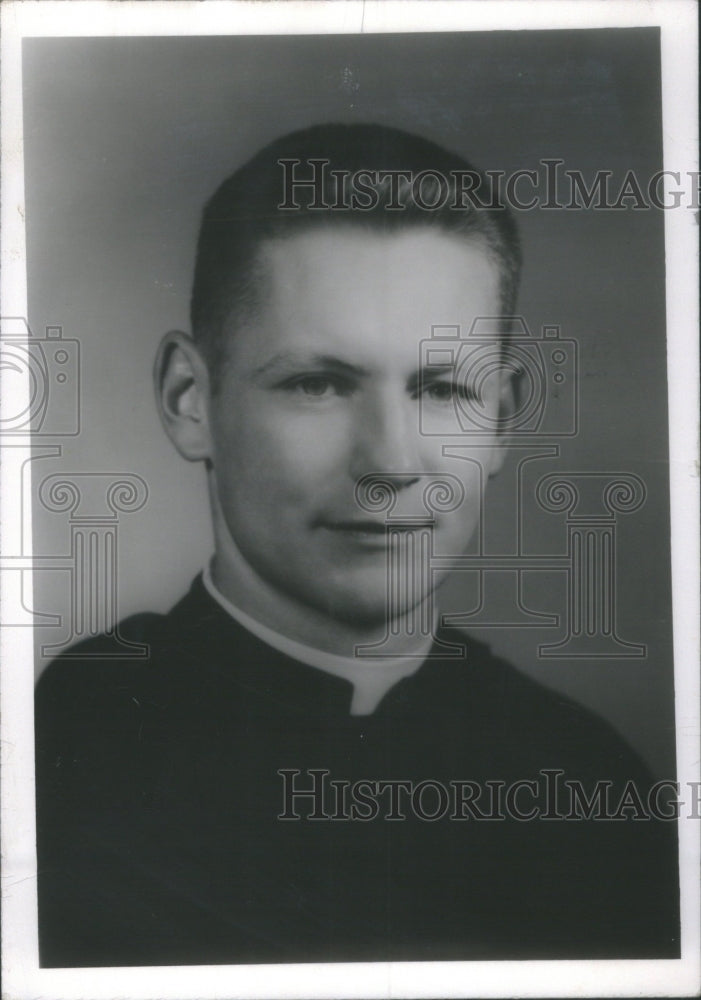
<point x="244" y="213"/>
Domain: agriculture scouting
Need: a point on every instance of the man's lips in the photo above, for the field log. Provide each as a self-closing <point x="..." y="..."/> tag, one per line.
<point x="374" y="529"/>
<point x="372" y="537"/>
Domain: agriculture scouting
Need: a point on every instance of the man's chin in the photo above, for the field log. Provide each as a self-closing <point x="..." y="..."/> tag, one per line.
<point x="368" y="610"/>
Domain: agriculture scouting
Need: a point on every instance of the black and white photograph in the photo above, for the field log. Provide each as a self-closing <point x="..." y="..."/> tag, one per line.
<point x="349" y="435"/>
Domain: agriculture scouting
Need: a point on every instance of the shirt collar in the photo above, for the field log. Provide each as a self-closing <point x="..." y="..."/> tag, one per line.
<point x="371" y="676"/>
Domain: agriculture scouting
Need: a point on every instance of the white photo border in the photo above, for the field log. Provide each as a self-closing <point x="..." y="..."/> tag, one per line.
<point x="677" y="20"/>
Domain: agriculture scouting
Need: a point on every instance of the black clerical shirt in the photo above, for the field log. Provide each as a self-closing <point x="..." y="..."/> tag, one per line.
<point x="171" y="828"/>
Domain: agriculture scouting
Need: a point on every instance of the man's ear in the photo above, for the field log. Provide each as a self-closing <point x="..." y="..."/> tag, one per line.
<point x="181" y="382"/>
<point x="507" y="407"/>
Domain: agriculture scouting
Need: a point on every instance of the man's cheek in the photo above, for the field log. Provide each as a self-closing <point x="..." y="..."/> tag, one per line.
<point x="312" y="461"/>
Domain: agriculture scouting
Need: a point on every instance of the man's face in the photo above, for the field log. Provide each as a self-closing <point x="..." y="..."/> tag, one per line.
<point x="325" y="387"/>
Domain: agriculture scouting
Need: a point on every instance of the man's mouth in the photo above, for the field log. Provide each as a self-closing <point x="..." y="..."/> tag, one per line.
<point x="374" y="532"/>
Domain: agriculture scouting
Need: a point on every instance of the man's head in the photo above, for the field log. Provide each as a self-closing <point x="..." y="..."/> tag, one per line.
<point x="367" y="178"/>
<point x="306" y="376"/>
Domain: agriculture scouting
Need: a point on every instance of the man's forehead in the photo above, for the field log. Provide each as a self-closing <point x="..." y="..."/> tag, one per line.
<point x="329" y="251"/>
<point x="367" y="299"/>
<point x="392" y="284"/>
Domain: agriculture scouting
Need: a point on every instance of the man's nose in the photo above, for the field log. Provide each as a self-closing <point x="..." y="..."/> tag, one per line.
<point x="387" y="441"/>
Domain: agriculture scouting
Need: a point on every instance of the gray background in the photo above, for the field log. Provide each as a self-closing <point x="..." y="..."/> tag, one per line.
<point x="126" y="137"/>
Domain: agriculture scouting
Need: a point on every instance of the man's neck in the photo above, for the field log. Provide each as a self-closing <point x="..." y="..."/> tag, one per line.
<point x="239" y="583"/>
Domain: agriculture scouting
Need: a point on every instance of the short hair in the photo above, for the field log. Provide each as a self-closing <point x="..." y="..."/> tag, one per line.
<point x="267" y="199"/>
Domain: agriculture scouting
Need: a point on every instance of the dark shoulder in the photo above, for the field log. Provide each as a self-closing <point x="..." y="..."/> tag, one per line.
<point x="90" y="689"/>
<point x="120" y="687"/>
<point x="92" y="662"/>
<point x="527" y="718"/>
<point x="100" y="665"/>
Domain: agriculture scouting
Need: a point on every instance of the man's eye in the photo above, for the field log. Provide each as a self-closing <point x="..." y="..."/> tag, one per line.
<point x="314" y="385"/>
<point x="448" y="392"/>
<point x="441" y="392"/>
<point x="317" y="386"/>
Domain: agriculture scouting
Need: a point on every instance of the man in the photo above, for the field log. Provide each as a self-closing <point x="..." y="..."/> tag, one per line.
<point x="264" y="788"/>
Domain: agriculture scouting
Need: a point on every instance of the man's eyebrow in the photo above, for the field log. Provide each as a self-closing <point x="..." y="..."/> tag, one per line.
<point x="297" y="360"/>
<point x="429" y="373"/>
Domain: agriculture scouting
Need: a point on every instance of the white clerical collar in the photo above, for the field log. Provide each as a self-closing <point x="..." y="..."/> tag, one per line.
<point x="371" y="676"/>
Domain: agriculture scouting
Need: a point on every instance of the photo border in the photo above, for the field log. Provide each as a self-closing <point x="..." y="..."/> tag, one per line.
<point x="677" y="20"/>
